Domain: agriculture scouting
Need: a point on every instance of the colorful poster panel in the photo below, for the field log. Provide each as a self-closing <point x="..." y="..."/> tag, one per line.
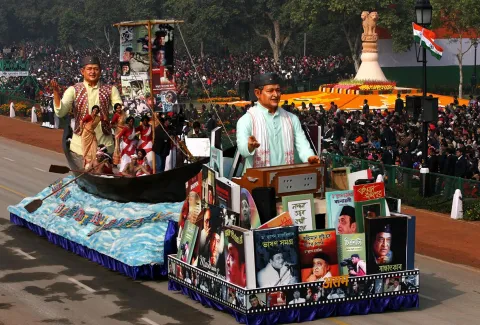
<point x="341" y="212"/>
<point x="249" y="217"/>
<point x="386" y="244"/>
<point x="134" y="48"/>
<point x="318" y="255"/>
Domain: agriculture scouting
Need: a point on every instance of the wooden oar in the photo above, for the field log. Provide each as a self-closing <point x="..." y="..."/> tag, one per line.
<point x="60" y="169"/>
<point x="65" y="170"/>
<point x="37" y="203"/>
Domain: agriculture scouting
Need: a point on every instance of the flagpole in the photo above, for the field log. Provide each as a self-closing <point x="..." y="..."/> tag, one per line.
<point x="425" y="124"/>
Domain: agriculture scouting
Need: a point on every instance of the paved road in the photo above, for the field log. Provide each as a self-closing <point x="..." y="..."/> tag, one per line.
<point x="43" y="284"/>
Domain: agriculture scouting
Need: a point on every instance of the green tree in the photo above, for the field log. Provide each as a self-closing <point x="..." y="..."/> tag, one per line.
<point x="461" y="18"/>
<point x="205" y="20"/>
<point x="274" y="20"/>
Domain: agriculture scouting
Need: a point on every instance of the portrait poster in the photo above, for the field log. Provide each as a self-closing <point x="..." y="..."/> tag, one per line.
<point x="257" y="301"/>
<point x="249" y="217"/>
<point x="235" y="268"/>
<point x="392" y="284"/>
<point x="187" y="242"/>
<point x="276" y="256"/>
<point x="163" y="76"/>
<point x="318" y="255"/>
<point x="299" y="295"/>
<point x="125" y="68"/>
<point x="336" y="203"/>
<point x="348" y="245"/>
<point x="166" y="101"/>
<point x="126" y="41"/>
<point x="301" y="209"/>
<point x="277" y="298"/>
<point x="163" y="46"/>
<point x="134" y="48"/>
<point x="209" y="178"/>
<point x="211" y="245"/>
<point x="386" y="244"/>
<point x="135" y="86"/>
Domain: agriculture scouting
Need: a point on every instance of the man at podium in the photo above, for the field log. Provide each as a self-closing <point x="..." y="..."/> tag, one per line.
<point x="267" y="135"/>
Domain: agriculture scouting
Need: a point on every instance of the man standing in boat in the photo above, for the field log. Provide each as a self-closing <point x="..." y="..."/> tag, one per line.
<point x="267" y="135"/>
<point x="81" y="97"/>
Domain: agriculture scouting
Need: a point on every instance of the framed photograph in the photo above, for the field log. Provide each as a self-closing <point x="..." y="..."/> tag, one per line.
<point x="369" y="209"/>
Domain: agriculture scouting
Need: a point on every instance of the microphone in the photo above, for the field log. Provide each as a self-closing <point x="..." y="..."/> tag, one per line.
<point x="288" y="264"/>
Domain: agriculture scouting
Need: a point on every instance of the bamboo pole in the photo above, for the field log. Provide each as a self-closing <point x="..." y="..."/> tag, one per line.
<point x="145" y="22"/>
<point x="154" y="160"/>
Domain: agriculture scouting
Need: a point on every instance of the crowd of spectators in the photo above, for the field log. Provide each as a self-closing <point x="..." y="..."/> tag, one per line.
<point x="393" y="138"/>
<point x="228" y="71"/>
<point x="388" y="137"/>
<point x="47" y="62"/>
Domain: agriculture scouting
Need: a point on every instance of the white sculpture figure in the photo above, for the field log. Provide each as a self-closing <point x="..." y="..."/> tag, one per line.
<point x="34" y="115"/>
<point x="370" y="69"/>
<point x="12" y="110"/>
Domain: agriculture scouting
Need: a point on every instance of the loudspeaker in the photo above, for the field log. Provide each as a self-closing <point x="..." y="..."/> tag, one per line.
<point x="413" y="103"/>
<point x="252" y="98"/>
<point x="244" y="89"/>
<point x="430" y="111"/>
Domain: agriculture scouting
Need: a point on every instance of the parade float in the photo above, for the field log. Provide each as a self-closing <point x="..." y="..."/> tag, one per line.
<point x="295" y="252"/>
<point x="127" y="224"/>
<point x="228" y="231"/>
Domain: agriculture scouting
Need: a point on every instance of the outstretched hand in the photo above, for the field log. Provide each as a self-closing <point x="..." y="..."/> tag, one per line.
<point x="313" y="160"/>
<point x="55" y="86"/>
<point x="252" y="143"/>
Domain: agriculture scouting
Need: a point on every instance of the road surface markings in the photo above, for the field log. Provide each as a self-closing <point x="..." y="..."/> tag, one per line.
<point x="337" y="321"/>
<point x="148" y="321"/>
<point x="427" y="297"/>
<point x="8" y="189"/>
<point x="19" y="251"/>
<point x="40" y="170"/>
<point x="80" y="284"/>
<point x="8" y="159"/>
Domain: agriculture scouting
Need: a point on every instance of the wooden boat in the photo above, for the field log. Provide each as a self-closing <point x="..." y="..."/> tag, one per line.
<point x="168" y="186"/>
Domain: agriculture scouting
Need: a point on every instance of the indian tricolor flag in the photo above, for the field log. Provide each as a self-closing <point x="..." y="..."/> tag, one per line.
<point x="426" y="38"/>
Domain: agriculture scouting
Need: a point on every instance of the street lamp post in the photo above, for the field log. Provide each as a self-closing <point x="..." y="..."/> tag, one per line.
<point x="423" y="12"/>
<point x="474" y="74"/>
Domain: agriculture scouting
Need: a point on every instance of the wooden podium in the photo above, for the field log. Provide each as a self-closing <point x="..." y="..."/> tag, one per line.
<point x="286" y="179"/>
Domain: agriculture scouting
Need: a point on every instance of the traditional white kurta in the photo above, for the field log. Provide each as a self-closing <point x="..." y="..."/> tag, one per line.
<point x="275" y="137"/>
<point x="269" y="277"/>
<point x="171" y="160"/>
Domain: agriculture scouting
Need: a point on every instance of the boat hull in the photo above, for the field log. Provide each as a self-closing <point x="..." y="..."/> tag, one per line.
<point x="168" y="186"/>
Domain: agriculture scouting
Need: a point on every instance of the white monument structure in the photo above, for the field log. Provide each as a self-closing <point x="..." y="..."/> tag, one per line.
<point x="370" y="69"/>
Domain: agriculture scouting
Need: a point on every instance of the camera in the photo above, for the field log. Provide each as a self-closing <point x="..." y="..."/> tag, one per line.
<point x="348" y="263"/>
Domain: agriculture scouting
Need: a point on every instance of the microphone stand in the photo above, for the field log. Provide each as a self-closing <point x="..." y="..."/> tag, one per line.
<point x="312" y="144"/>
